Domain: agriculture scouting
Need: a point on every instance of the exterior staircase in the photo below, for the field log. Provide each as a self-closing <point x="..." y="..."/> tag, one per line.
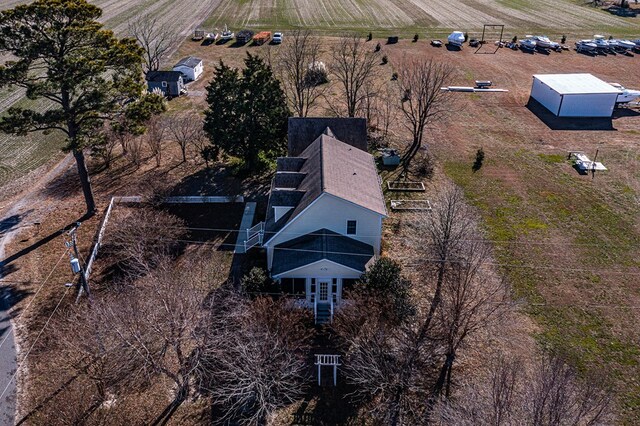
<point x="323" y="313"/>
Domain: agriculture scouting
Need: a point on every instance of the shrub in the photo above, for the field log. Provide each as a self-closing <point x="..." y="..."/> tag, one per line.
<point x="514" y="39"/>
<point x="385" y="279"/>
<point x="316" y="74"/>
<point x="370" y="36"/>
<point x="564" y="39"/>
<point x="394" y="76"/>
<point x="415" y="38"/>
<point x="385" y="59"/>
<point x="378" y="47"/>
<point x="466" y="36"/>
<point x="477" y="164"/>
<point x="424" y="166"/>
<point x="257" y="281"/>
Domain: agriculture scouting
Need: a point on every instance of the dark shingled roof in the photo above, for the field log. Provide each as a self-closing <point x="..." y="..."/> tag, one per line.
<point x="318" y="245"/>
<point x="289" y="164"/>
<point x="190" y="61"/>
<point x="303" y="131"/>
<point x="164" y="75"/>
<point x="334" y="167"/>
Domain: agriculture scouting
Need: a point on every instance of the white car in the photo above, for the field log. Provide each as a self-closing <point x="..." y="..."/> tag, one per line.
<point x="277" y="38"/>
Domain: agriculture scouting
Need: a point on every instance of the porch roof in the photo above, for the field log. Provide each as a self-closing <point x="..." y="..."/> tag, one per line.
<point x="319" y="245"/>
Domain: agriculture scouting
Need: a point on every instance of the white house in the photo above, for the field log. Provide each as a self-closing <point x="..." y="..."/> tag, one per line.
<point x="191" y="67"/>
<point x="324" y="221"/>
<point x="574" y="95"/>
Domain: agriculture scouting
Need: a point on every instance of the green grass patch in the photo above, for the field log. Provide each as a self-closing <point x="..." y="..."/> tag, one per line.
<point x="552" y="158"/>
<point x="523" y="210"/>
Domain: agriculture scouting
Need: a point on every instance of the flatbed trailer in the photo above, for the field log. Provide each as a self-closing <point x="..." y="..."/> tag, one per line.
<point x="262" y="37"/>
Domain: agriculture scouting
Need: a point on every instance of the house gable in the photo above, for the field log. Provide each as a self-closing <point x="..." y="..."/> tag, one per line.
<point x="323" y="268"/>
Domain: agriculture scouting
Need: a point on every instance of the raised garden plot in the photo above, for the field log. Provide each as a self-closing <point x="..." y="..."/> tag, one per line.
<point x="413" y="205"/>
<point x="405" y="186"/>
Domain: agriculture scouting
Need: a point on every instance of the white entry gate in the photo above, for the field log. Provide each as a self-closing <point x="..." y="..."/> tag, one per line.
<point x="330" y="360"/>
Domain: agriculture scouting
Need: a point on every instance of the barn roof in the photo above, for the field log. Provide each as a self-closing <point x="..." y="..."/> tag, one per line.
<point x="189" y="61"/>
<point x="576" y="84"/>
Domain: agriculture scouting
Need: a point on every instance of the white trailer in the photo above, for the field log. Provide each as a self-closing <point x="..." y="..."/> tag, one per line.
<point x="574" y="95"/>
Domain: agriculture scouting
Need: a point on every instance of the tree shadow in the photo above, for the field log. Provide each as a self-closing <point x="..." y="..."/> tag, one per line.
<point x="568" y="123"/>
<point x="10" y="296"/>
<point x="10" y="223"/>
<point x="12" y="258"/>
<point x="64" y="185"/>
<point x="223" y="180"/>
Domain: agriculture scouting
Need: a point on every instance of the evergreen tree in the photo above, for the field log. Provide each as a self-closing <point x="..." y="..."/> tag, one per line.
<point x="61" y="54"/>
<point x="384" y="279"/>
<point x="248" y="113"/>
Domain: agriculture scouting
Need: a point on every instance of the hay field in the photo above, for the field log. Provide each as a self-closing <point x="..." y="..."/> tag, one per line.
<point x="21" y="155"/>
<point x="554" y="16"/>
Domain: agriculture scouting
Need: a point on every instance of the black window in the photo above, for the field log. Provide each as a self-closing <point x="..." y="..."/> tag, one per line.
<point x="351" y="227"/>
<point x="348" y="283"/>
<point x="296" y="286"/>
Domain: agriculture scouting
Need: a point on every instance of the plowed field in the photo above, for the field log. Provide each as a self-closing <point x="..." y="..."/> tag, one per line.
<point x="19" y="156"/>
<point x="554" y="16"/>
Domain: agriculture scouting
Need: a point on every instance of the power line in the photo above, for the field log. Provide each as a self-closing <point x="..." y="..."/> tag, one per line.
<point x="36" y="294"/>
<point x="34" y="342"/>
<point x="485" y="240"/>
<point x="426" y="260"/>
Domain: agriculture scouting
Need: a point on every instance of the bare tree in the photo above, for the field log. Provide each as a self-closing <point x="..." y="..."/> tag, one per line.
<point x="391" y="366"/>
<point x="186" y="129"/>
<point x="549" y="394"/>
<point x="354" y="67"/>
<point x="154" y="37"/>
<point x="156" y="131"/>
<point x="162" y="322"/>
<point x="257" y="360"/>
<point x="386" y="108"/>
<point x="137" y="239"/>
<point x="105" y="146"/>
<point x="471" y="301"/>
<point x="135" y="148"/>
<point x="297" y="56"/>
<point x="422" y="100"/>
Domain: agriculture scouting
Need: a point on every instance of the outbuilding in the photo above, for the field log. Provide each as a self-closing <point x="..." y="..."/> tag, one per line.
<point x="574" y="95"/>
<point x="170" y="83"/>
<point x="191" y="67"/>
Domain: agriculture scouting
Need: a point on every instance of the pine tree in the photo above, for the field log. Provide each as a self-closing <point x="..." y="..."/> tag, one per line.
<point x="61" y="54"/>
<point x="248" y="113"/>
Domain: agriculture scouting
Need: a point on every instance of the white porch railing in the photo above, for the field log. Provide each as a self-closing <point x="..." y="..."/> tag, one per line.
<point x="315" y="309"/>
<point x="255" y="235"/>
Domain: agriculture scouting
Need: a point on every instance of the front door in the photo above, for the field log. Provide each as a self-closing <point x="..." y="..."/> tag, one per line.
<point x="323" y="292"/>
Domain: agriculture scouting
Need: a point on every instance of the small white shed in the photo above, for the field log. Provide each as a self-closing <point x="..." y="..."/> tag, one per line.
<point x="574" y="95"/>
<point x="191" y="67"/>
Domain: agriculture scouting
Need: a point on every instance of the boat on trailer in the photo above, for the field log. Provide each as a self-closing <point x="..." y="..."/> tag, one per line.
<point x="226" y="34"/>
<point x="528" y="44"/>
<point x="456" y="38"/>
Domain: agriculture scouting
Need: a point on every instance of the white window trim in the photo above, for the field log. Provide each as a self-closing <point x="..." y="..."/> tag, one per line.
<point x="164" y="84"/>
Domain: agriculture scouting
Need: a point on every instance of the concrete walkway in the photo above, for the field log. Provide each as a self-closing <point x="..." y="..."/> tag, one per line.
<point x="245" y="223"/>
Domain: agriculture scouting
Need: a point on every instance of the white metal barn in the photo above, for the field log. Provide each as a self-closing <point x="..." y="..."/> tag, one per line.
<point x="574" y="95"/>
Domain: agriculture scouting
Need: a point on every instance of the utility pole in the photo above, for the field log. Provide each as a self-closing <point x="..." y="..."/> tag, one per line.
<point x="76" y="264"/>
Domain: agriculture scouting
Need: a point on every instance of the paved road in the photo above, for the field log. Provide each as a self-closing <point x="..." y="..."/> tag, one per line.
<point x="20" y="213"/>
<point x="7" y="362"/>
